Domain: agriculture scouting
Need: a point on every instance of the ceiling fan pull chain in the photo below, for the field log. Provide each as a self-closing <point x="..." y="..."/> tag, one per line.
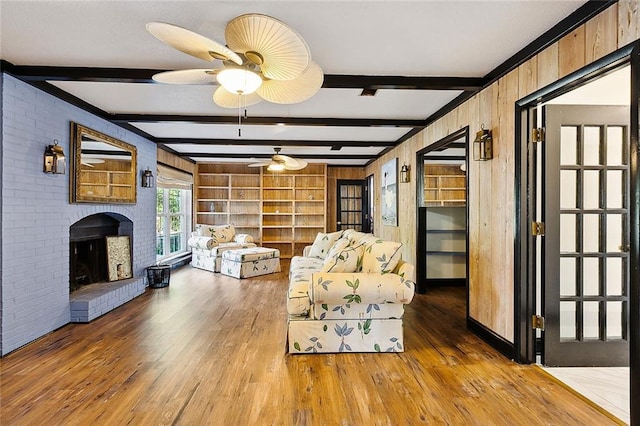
<point x="240" y="116"/>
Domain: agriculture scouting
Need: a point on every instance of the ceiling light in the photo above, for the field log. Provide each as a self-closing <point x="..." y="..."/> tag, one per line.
<point x="275" y="167"/>
<point x="239" y="80"/>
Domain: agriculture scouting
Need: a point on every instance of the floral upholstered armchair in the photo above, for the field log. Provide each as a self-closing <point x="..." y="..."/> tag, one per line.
<point x="208" y="242"/>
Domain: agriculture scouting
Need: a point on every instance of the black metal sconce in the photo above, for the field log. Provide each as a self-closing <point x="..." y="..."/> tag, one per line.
<point x="405" y="173"/>
<point x="483" y="145"/>
<point x="54" y="160"/>
<point x="147" y="179"/>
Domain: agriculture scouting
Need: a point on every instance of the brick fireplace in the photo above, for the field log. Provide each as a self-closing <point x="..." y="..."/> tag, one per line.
<point x="91" y="295"/>
<point x="36" y="215"/>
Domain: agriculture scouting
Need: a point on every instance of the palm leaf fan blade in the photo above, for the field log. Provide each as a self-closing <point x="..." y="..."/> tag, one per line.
<point x="284" y="55"/>
<point x="190" y="43"/>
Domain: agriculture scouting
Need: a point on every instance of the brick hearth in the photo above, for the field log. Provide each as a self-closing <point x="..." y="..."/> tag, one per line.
<point x="94" y="300"/>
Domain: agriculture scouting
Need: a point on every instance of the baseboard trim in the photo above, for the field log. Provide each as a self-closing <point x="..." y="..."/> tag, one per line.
<point x="445" y="282"/>
<point x="499" y="343"/>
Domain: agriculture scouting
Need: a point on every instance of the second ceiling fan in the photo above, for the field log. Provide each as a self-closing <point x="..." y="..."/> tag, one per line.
<point x="265" y="60"/>
<point x="281" y="162"/>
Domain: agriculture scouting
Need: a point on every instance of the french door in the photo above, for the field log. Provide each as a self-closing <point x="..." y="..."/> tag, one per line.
<point x="352" y="208"/>
<point x="585" y="248"/>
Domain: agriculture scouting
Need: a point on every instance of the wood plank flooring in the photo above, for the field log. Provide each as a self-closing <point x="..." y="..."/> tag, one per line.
<point x="210" y="349"/>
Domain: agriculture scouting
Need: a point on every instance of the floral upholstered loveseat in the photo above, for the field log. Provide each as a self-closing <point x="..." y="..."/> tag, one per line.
<point x="208" y="242"/>
<point x="347" y="294"/>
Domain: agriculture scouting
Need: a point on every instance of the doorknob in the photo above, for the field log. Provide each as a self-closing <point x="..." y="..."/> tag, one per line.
<point x="624" y="248"/>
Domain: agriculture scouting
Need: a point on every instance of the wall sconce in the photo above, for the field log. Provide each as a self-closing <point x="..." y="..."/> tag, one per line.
<point x="147" y="179"/>
<point x="405" y="175"/>
<point x="54" y="159"/>
<point x="483" y="145"/>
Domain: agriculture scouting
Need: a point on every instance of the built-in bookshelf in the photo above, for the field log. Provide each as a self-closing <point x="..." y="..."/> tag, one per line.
<point x="229" y="194"/>
<point x="283" y="210"/>
<point x="293" y="208"/>
<point x="446" y="243"/>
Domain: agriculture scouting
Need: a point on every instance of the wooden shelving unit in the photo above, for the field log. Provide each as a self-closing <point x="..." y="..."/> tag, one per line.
<point x="228" y="193"/>
<point x="293" y="208"/>
<point x="283" y="210"/>
<point x="446" y="243"/>
<point x="444" y="185"/>
<point x="442" y="238"/>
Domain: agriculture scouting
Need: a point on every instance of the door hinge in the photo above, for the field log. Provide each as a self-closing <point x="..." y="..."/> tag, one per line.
<point x="537" y="322"/>
<point x="537" y="134"/>
<point x="537" y="228"/>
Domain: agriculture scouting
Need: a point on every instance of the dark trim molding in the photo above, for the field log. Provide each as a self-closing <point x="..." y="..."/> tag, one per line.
<point x="446" y="282"/>
<point x="499" y="343"/>
<point x="445" y="157"/>
<point x="523" y="293"/>
<point x="634" y="278"/>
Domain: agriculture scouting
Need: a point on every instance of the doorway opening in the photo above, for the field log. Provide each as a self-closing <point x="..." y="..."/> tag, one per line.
<point x="575" y="231"/>
<point x="353" y="205"/>
<point x="442" y="234"/>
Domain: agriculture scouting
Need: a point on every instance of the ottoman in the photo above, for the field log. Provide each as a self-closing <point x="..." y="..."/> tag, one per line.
<point x="250" y="262"/>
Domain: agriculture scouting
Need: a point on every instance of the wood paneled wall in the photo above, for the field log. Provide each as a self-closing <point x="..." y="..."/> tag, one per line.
<point x="492" y="183"/>
<point x="333" y="174"/>
<point x="176" y="162"/>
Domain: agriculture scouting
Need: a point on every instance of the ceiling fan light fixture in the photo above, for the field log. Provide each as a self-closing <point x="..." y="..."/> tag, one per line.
<point x="275" y="167"/>
<point x="240" y="81"/>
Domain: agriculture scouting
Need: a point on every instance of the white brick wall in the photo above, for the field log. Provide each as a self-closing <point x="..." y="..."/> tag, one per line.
<point x="36" y="213"/>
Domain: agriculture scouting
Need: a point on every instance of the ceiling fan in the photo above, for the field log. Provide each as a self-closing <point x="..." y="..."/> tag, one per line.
<point x="265" y="60"/>
<point x="281" y="162"/>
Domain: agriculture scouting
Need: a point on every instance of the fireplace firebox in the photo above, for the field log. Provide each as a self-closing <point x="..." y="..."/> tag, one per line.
<point x="87" y="247"/>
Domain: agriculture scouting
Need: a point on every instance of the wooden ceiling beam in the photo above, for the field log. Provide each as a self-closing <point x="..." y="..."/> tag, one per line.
<point x="395" y="82"/>
<point x="275" y="142"/>
<point x="233" y="119"/>
<point x="259" y="156"/>
<point x="331" y="81"/>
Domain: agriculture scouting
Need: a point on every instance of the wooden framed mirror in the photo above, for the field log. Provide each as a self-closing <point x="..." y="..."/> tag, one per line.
<point x="104" y="168"/>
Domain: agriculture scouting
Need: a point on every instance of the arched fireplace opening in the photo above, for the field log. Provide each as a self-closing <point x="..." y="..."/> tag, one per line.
<point x="87" y="247"/>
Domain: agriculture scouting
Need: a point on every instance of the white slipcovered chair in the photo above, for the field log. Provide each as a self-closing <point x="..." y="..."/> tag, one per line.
<point x="208" y="242"/>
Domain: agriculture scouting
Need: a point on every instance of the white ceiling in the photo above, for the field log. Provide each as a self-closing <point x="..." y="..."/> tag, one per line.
<point x="364" y="38"/>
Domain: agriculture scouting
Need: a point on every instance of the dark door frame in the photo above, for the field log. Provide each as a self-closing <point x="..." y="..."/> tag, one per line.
<point x="420" y="261"/>
<point x="524" y="292"/>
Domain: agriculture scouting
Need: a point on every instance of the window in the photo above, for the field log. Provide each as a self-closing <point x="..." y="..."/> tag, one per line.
<point x="173" y="221"/>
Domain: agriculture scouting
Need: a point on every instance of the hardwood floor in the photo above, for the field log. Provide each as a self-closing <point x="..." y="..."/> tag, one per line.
<point x="210" y="349"/>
